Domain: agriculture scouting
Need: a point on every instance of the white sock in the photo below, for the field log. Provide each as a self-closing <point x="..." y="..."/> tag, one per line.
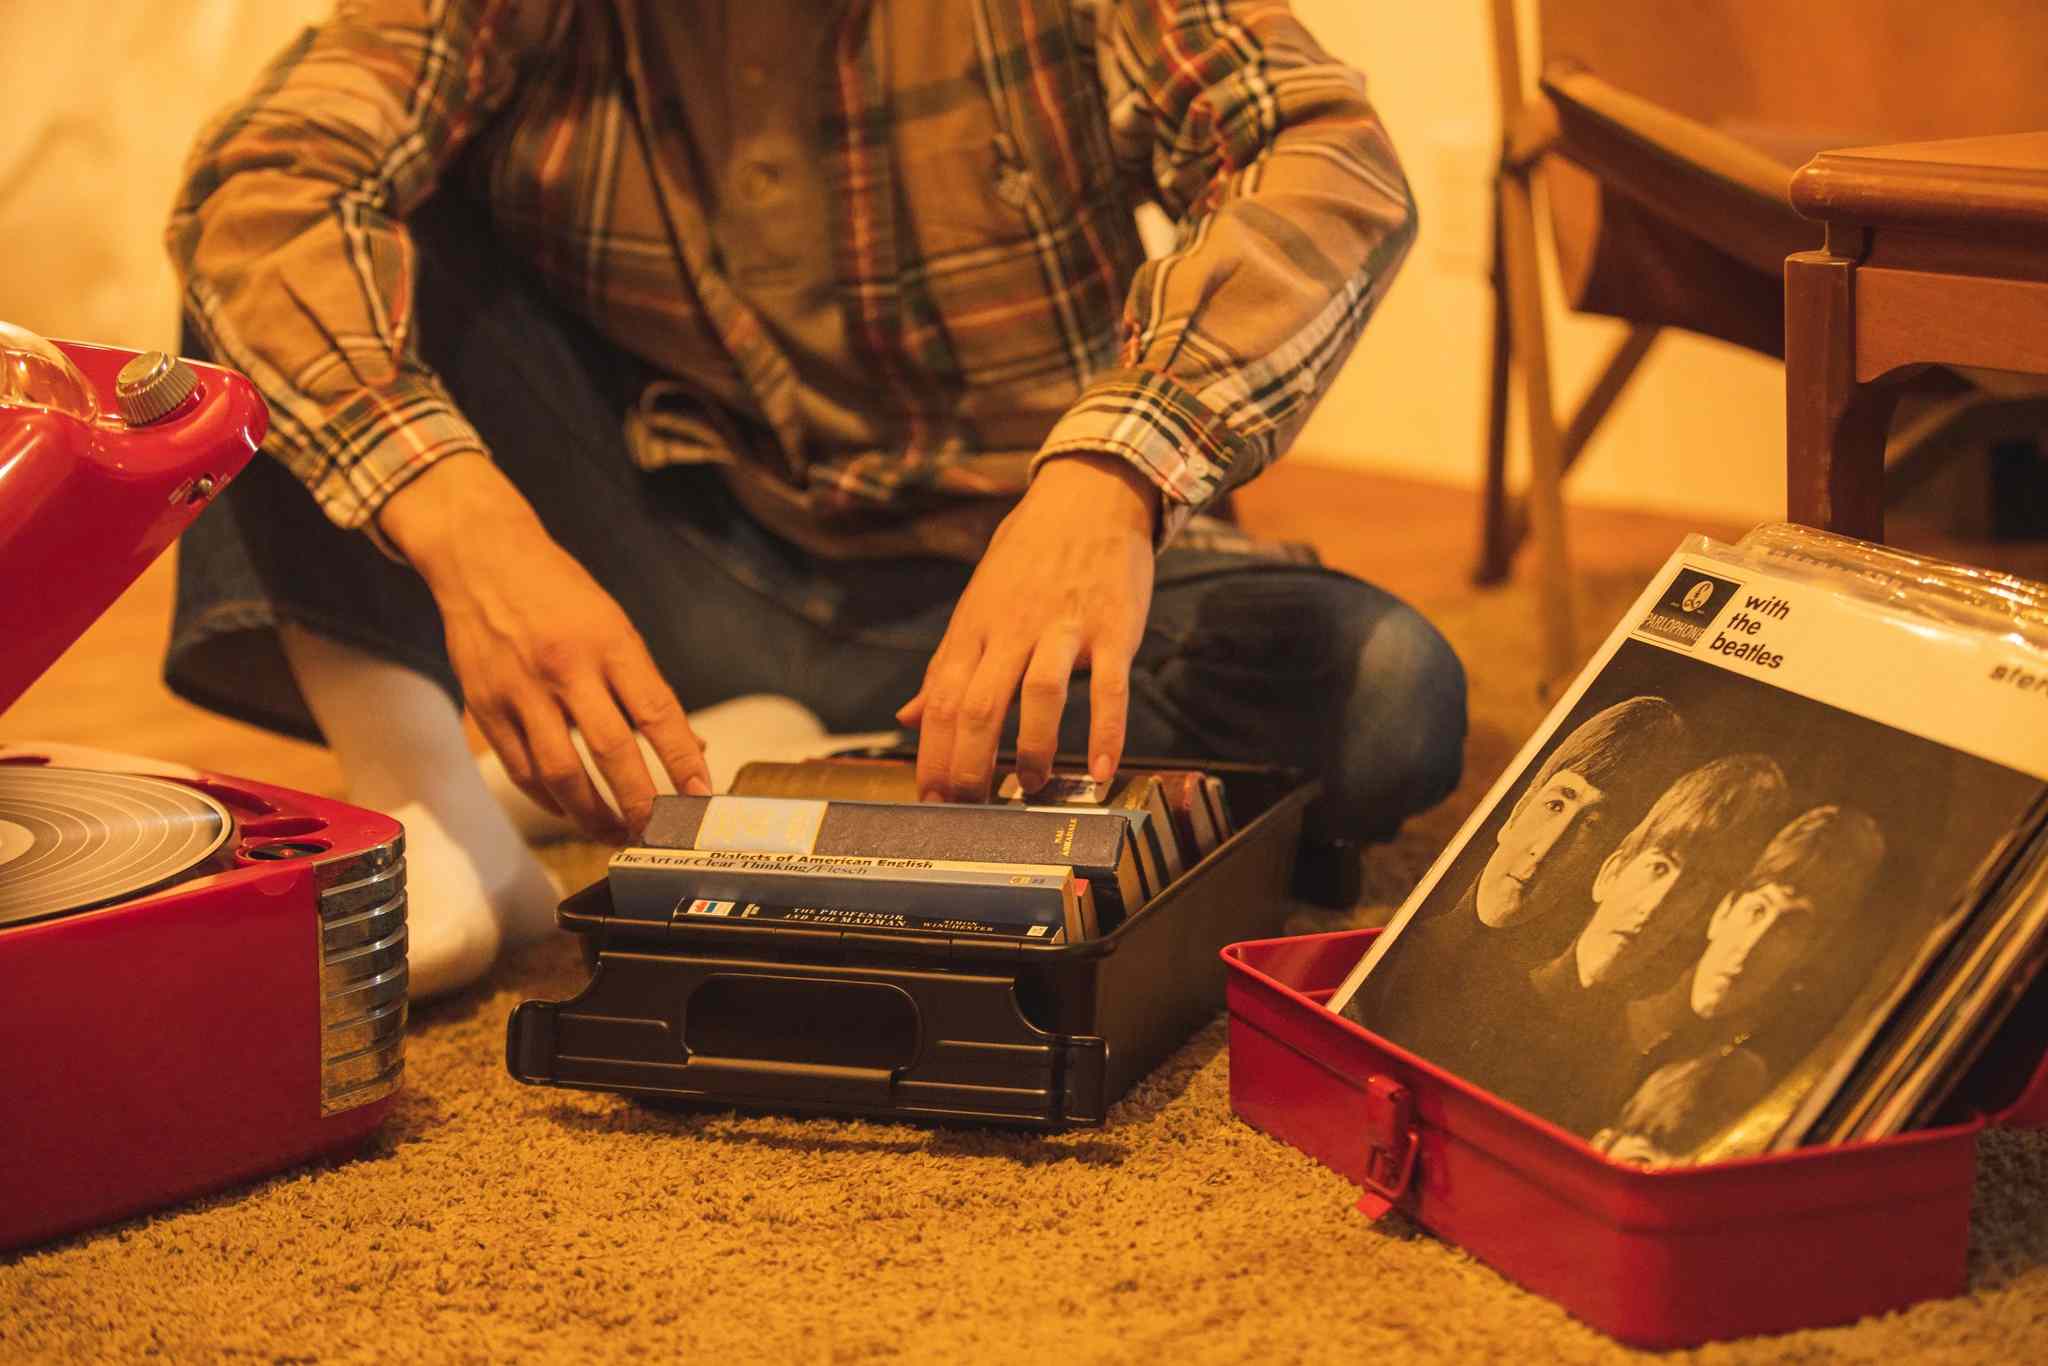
<point x="451" y="936"/>
<point x="735" y="732"/>
<point x="472" y="883"/>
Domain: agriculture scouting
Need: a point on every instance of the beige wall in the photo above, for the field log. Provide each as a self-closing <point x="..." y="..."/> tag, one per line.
<point x="99" y="117"/>
<point x="1701" y="429"/>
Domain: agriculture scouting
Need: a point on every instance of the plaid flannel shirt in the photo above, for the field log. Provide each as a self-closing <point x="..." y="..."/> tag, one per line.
<point x="983" y="160"/>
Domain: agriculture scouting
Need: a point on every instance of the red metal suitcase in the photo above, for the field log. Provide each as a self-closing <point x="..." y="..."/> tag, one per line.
<point x="1663" y="1258"/>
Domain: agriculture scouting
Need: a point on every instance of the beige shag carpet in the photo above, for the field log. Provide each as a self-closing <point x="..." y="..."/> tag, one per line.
<point x="492" y="1221"/>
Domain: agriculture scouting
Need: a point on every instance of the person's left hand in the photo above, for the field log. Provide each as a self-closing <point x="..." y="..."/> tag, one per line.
<point x="1066" y="581"/>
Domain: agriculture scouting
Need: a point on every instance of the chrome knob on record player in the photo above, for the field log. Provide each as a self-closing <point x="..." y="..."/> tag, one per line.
<point x="152" y="386"/>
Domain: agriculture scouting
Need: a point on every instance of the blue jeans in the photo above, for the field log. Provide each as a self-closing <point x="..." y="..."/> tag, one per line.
<point x="1244" y="657"/>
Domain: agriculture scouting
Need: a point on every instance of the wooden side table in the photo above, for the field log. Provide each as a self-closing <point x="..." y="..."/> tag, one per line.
<point x="1936" y="254"/>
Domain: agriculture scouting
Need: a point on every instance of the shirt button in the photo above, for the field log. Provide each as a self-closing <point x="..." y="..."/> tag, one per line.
<point x="1013" y="186"/>
<point x="759" y="180"/>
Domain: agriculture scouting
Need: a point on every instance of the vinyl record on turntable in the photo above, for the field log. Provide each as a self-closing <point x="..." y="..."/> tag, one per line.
<point x="73" y="838"/>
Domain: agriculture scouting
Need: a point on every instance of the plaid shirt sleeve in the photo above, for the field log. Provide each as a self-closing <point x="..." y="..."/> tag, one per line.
<point x="1293" y="218"/>
<point x="288" y="239"/>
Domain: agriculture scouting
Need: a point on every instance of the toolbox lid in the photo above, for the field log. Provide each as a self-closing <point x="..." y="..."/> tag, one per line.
<point x="106" y="456"/>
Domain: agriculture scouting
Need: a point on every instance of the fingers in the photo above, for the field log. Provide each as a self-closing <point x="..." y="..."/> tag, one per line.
<point x="1040" y="703"/>
<point x="614" y="753"/>
<point x="596" y="775"/>
<point x="654" y="711"/>
<point x="1109" y="706"/>
<point x="978" y="727"/>
<point x="557" y="767"/>
<point x="945" y="684"/>
<point x="509" y="742"/>
<point x="961" y="709"/>
<point x="911" y="712"/>
<point x="1059" y="585"/>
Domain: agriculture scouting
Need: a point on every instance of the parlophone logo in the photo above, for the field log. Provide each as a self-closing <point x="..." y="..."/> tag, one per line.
<point x="1688" y="607"/>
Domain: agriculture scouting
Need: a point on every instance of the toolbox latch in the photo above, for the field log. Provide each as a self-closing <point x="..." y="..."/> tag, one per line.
<point x="1084" y="1067"/>
<point x="1390" y="1145"/>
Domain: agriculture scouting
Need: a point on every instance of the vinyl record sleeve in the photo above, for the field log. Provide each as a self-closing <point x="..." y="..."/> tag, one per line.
<point x="1685" y="898"/>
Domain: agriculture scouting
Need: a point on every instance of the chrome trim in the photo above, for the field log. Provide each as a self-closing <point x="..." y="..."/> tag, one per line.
<point x="360" y="999"/>
<point x="375" y="1029"/>
<point x="363" y="1008"/>
<point x="357" y="1070"/>
<point x="337" y="1101"/>
<point x="350" y="868"/>
<point x="376" y="923"/>
<point x="347" y="898"/>
<point x="343" y="968"/>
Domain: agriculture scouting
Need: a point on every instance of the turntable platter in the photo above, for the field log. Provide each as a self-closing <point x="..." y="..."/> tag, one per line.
<point x="74" y="838"/>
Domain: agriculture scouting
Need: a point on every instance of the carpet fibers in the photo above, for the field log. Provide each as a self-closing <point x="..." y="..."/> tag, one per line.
<point x="492" y="1221"/>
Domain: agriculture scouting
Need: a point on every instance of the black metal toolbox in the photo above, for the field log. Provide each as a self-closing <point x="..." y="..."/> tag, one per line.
<point x="907" y="1025"/>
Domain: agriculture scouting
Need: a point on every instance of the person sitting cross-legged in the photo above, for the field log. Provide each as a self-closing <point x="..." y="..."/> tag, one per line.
<point x="624" y="359"/>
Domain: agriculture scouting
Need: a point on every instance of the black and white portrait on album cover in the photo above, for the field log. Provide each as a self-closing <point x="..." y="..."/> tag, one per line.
<point x="1682" y="896"/>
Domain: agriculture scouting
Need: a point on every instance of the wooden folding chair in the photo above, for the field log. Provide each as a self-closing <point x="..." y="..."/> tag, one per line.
<point x="1668" y="136"/>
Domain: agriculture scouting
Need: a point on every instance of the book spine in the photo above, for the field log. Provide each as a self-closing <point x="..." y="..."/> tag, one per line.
<point x="1141" y="796"/>
<point x="1145" y="793"/>
<point x="1187" y="797"/>
<point x="647" y="884"/>
<point x="839" y="918"/>
<point x="1219" y="806"/>
<point x="1151" y="874"/>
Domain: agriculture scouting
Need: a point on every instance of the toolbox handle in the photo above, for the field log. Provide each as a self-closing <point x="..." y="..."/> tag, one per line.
<point x="960" y="1047"/>
<point x="1390" y="1135"/>
<point x="772" y="1079"/>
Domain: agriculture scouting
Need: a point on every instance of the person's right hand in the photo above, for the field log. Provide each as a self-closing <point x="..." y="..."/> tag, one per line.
<point x="539" y="646"/>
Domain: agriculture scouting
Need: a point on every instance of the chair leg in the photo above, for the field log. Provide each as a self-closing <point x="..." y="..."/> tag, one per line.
<point x="1546" y="457"/>
<point x="1496" y="538"/>
<point x="1834" y="426"/>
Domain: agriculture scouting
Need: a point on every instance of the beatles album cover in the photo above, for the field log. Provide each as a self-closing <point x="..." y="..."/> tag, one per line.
<point x="1755" y="811"/>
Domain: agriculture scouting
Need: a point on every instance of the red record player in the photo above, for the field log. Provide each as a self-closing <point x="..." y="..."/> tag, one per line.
<point x="202" y="978"/>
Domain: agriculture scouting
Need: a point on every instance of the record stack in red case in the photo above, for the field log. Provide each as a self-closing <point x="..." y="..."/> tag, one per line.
<point x="1715" y="1063"/>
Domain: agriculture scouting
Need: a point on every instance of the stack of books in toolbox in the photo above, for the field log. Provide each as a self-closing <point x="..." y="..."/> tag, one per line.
<point x="839" y="844"/>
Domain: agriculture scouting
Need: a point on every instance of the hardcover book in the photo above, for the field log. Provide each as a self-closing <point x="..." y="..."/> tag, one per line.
<point x="834" y="918"/>
<point x="1767" y="852"/>
<point x="1097" y="845"/>
<point x="649" y="884"/>
<point x="1140" y="798"/>
<point x="1164" y="851"/>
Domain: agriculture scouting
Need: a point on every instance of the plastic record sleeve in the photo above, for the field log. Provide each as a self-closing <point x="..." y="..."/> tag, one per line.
<point x="73" y="838"/>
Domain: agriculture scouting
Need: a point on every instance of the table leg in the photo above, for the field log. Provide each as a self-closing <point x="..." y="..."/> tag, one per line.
<point x="1834" y="427"/>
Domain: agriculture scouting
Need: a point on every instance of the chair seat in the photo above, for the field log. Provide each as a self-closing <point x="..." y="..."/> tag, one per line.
<point x="1662" y="220"/>
<point x="1620" y="259"/>
<point x="1732" y="192"/>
